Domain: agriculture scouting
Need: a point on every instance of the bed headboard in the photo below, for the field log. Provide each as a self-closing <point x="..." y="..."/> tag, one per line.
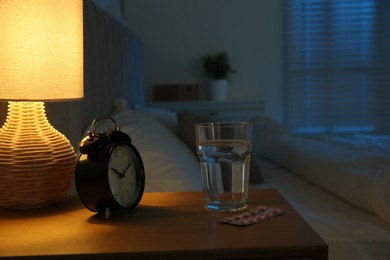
<point x="113" y="68"/>
<point x="113" y="59"/>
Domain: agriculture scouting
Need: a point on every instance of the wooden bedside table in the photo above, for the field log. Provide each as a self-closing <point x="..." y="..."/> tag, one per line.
<point x="164" y="226"/>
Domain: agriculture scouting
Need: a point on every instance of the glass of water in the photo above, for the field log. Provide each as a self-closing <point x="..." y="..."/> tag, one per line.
<point x="224" y="150"/>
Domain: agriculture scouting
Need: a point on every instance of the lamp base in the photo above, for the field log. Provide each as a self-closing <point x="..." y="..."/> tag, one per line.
<point x="37" y="162"/>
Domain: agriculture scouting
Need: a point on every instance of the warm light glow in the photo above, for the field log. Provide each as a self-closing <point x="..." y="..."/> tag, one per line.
<point x="41" y="59"/>
<point x="41" y="50"/>
<point x="37" y="162"/>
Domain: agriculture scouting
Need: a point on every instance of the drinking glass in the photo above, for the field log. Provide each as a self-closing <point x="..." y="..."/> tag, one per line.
<point x="224" y="150"/>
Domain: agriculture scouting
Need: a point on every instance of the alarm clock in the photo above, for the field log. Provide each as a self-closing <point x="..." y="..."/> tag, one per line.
<point x="109" y="172"/>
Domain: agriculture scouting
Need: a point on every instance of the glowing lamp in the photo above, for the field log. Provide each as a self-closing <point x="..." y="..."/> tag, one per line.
<point x="41" y="59"/>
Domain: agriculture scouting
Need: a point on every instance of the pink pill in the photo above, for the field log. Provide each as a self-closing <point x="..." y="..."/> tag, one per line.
<point x="260" y="217"/>
<point x="261" y="208"/>
<point x="245" y="215"/>
<point x="229" y="219"/>
<point x="249" y="221"/>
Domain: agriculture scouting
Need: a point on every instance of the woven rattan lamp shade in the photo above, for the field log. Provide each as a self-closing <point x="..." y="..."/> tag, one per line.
<point x="41" y="59"/>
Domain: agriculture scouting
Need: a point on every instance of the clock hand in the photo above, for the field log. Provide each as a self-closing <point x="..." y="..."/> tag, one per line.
<point x="120" y="175"/>
<point x="127" y="167"/>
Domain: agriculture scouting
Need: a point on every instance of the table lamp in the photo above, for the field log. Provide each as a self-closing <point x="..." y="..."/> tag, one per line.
<point x="41" y="59"/>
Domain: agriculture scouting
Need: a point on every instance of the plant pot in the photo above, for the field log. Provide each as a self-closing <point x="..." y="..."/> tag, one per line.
<point x="218" y="89"/>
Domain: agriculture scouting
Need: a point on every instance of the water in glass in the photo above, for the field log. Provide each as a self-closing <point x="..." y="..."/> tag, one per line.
<point x="225" y="173"/>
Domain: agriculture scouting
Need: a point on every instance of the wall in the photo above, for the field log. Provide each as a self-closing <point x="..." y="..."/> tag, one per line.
<point x="176" y="33"/>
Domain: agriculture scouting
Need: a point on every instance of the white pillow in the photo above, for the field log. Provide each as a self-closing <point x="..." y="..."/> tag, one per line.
<point x="169" y="164"/>
<point x="359" y="176"/>
<point x="164" y="116"/>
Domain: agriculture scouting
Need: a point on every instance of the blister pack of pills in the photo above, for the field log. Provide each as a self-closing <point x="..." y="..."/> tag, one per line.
<point x="253" y="216"/>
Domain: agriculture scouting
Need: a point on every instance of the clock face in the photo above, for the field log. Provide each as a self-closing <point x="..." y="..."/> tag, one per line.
<point x="122" y="177"/>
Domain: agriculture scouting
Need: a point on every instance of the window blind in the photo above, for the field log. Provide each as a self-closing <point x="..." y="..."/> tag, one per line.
<point x="337" y="66"/>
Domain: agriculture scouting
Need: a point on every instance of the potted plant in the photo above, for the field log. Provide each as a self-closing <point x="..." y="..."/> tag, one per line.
<point x="217" y="70"/>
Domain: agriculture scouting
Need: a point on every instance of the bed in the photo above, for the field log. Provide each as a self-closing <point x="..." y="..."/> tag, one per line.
<point x="342" y="191"/>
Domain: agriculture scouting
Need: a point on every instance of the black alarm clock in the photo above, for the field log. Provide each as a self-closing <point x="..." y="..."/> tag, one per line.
<point x="109" y="173"/>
